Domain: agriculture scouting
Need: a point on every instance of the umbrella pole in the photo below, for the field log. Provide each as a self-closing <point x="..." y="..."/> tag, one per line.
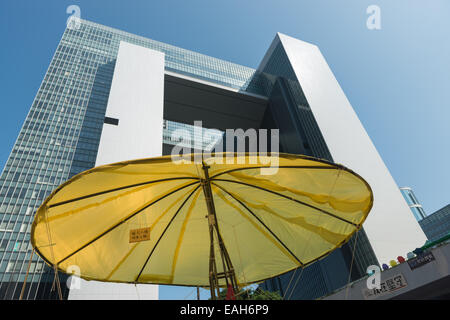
<point x="228" y="270"/>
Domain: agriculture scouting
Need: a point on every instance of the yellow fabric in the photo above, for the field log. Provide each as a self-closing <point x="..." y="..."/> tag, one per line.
<point x="270" y="224"/>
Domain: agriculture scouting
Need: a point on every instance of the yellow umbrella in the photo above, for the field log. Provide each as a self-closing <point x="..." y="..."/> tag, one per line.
<point x="200" y="224"/>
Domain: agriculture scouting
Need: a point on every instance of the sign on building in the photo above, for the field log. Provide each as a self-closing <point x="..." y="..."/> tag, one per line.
<point x="387" y="286"/>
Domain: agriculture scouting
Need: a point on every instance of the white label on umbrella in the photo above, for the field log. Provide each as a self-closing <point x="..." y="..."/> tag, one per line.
<point x="138" y="235"/>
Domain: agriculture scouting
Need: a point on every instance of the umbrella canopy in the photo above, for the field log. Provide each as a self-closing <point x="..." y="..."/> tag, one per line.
<point x="149" y="220"/>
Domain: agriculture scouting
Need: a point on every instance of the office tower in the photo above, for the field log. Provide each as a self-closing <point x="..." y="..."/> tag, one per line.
<point x="110" y="96"/>
<point x="413" y="203"/>
<point x="315" y="118"/>
<point x="61" y="134"/>
<point x="437" y="224"/>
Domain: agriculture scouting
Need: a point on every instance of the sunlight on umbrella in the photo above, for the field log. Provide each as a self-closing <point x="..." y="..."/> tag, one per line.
<point x="200" y="224"/>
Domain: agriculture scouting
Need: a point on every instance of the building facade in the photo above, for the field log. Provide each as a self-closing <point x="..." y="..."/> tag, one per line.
<point x="413" y="203"/>
<point x="437" y="224"/>
<point x="110" y="96"/>
<point x="308" y="105"/>
<point x="61" y="134"/>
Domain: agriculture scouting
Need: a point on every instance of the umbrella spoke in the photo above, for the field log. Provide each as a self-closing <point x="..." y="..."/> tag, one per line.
<point x="279" y="167"/>
<point x="151" y="228"/>
<point x="147" y="205"/>
<point x="117" y="189"/>
<point x="261" y="222"/>
<point x="289" y="198"/>
<point x="165" y="229"/>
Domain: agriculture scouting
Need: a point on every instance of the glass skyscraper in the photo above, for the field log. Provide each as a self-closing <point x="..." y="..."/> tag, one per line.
<point x="305" y="137"/>
<point x="61" y="133"/>
<point x="64" y="130"/>
<point x="437" y="224"/>
<point x="413" y="203"/>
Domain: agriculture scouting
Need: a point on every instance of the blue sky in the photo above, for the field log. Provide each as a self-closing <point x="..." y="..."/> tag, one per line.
<point x="396" y="78"/>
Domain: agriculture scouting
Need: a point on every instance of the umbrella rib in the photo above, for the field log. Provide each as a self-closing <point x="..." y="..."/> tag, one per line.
<point x="282" y="167"/>
<point x="260" y="221"/>
<point x="125" y="220"/>
<point x="165" y="229"/>
<point x="289" y="198"/>
<point x="117" y="189"/>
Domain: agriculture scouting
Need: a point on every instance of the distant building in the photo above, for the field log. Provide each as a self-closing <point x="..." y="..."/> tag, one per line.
<point x="413" y="203"/>
<point x="437" y="225"/>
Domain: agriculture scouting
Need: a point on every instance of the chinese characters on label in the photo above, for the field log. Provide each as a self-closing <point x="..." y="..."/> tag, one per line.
<point x="387" y="286"/>
<point x="138" y="235"/>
